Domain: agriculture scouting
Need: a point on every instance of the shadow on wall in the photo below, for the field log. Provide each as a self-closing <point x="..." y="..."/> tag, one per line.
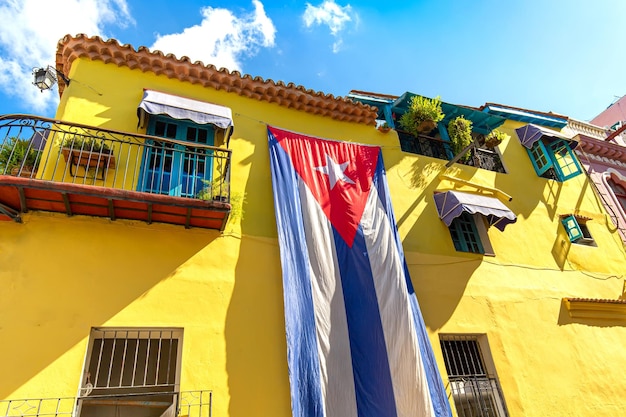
<point x="61" y="276"/>
<point x="256" y="351"/>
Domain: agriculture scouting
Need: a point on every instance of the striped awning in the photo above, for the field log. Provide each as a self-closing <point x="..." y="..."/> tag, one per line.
<point x="531" y="133"/>
<point x="200" y="112"/>
<point x="451" y="204"/>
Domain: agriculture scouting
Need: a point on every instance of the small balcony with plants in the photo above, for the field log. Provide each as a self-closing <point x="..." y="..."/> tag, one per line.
<point x="449" y="132"/>
<point x="57" y="166"/>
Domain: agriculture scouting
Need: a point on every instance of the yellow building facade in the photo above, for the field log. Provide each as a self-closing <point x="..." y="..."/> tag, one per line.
<point x="546" y="314"/>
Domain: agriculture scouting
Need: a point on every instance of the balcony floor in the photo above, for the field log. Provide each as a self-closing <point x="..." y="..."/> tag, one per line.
<point x="20" y="195"/>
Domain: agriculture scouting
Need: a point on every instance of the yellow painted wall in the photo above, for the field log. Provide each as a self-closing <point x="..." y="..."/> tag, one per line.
<point x="61" y="276"/>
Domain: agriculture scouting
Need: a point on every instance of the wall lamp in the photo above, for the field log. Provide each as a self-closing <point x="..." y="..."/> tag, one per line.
<point x="45" y="78"/>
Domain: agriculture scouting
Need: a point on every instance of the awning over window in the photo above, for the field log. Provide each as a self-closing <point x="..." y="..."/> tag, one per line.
<point x="530" y="134"/>
<point x="451" y="204"/>
<point x="176" y="107"/>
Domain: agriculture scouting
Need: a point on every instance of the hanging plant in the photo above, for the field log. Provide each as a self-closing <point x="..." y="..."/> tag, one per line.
<point x="422" y="116"/>
<point x="494" y="138"/>
<point x="460" y="131"/>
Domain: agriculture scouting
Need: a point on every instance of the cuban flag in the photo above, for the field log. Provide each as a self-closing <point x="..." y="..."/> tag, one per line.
<point x="356" y="341"/>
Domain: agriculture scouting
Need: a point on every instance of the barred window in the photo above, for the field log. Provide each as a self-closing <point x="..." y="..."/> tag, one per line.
<point x="475" y="390"/>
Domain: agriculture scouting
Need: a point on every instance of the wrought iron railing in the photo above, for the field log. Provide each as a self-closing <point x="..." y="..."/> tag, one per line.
<point x="440" y="149"/>
<point x="477" y="396"/>
<point x="485" y="159"/>
<point x="181" y="404"/>
<point x="425" y="145"/>
<point x="52" y="150"/>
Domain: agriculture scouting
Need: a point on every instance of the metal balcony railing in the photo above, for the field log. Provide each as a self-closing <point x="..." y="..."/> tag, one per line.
<point x="477" y="396"/>
<point x="440" y="149"/>
<point x="485" y="159"/>
<point x="51" y="150"/>
<point x="425" y="145"/>
<point x="181" y="404"/>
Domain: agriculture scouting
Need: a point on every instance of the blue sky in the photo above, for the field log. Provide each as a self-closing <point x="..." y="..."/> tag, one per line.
<point x="560" y="56"/>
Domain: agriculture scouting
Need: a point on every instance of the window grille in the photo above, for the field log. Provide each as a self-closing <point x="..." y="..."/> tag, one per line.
<point x="475" y="390"/>
<point x="123" y="359"/>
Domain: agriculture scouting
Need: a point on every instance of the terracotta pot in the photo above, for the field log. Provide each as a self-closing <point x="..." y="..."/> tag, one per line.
<point x="426" y="126"/>
<point x="26" y="172"/>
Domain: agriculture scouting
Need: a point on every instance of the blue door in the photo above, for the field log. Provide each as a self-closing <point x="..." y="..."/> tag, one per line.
<point x="173" y="167"/>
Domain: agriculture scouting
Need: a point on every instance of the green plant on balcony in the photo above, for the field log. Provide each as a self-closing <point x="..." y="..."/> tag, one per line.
<point x="460" y="132"/>
<point x="18" y="156"/>
<point x="422" y="115"/>
<point x="80" y="143"/>
<point x="494" y="138"/>
<point x="89" y="153"/>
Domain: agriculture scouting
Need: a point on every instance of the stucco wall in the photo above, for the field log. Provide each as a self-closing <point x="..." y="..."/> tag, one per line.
<point x="61" y="276"/>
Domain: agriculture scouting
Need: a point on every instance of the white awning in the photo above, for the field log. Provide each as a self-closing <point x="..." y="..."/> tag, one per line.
<point x="200" y="112"/>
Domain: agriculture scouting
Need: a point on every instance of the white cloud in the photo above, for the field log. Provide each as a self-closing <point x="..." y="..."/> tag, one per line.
<point x="222" y="38"/>
<point x="31" y="30"/>
<point x="330" y="14"/>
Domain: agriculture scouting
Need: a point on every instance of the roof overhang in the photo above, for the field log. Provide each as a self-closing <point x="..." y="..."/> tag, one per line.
<point x="531" y="133"/>
<point x="452" y="204"/>
<point x="527" y="116"/>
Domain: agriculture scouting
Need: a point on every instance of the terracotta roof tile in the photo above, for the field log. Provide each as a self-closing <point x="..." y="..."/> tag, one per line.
<point x="287" y="95"/>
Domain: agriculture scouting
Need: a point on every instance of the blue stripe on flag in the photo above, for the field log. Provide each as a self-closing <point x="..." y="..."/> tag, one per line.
<point x="372" y="377"/>
<point x="438" y="395"/>
<point x="303" y="357"/>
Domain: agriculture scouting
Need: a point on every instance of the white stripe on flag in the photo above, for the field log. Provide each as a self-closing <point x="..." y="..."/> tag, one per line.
<point x="407" y="370"/>
<point x="330" y="318"/>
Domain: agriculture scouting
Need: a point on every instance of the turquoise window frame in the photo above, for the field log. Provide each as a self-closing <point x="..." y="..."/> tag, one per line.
<point x="572" y="228"/>
<point x="465" y="235"/>
<point x="171" y="169"/>
<point x="557" y="155"/>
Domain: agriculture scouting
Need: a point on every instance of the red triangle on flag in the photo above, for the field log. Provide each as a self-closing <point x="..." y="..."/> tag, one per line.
<point x="339" y="175"/>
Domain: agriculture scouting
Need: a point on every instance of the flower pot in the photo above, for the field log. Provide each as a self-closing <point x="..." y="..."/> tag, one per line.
<point x="426" y="126"/>
<point x="25" y="172"/>
<point x="492" y="142"/>
<point x="384" y="129"/>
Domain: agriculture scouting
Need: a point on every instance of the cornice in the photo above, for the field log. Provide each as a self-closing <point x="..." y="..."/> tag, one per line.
<point x="603" y="149"/>
<point x="287" y="95"/>
<point x="596" y="308"/>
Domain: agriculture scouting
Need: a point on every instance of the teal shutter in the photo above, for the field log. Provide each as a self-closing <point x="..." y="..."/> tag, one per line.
<point x="540" y="157"/>
<point x="572" y="228"/>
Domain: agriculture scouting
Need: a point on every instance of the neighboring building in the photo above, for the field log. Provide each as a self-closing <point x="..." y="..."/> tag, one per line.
<point x="603" y="154"/>
<point x="143" y="278"/>
<point x="613" y="116"/>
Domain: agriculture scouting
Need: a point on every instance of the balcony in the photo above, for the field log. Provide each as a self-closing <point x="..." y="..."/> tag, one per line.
<point x="440" y="149"/>
<point x="477" y="396"/>
<point x="57" y="166"/>
<point x="171" y="404"/>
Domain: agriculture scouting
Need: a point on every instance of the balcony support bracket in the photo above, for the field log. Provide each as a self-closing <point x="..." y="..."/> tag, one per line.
<point x="10" y="213"/>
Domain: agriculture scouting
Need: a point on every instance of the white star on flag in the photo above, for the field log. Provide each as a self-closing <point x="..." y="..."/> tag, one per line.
<point x="335" y="171"/>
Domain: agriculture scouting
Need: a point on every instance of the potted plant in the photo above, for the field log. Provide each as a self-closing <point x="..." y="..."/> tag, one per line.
<point x="87" y="152"/>
<point x="18" y="157"/>
<point x="384" y="127"/>
<point x="422" y="116"/>
<point x="494" y="138"/>
<point x="460" y="132"/>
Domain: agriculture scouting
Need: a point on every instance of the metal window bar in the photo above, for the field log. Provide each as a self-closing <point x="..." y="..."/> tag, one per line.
<point x="122" y="359"/>
<point x="50" y="150"/>
<point x="476" y="393"/>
